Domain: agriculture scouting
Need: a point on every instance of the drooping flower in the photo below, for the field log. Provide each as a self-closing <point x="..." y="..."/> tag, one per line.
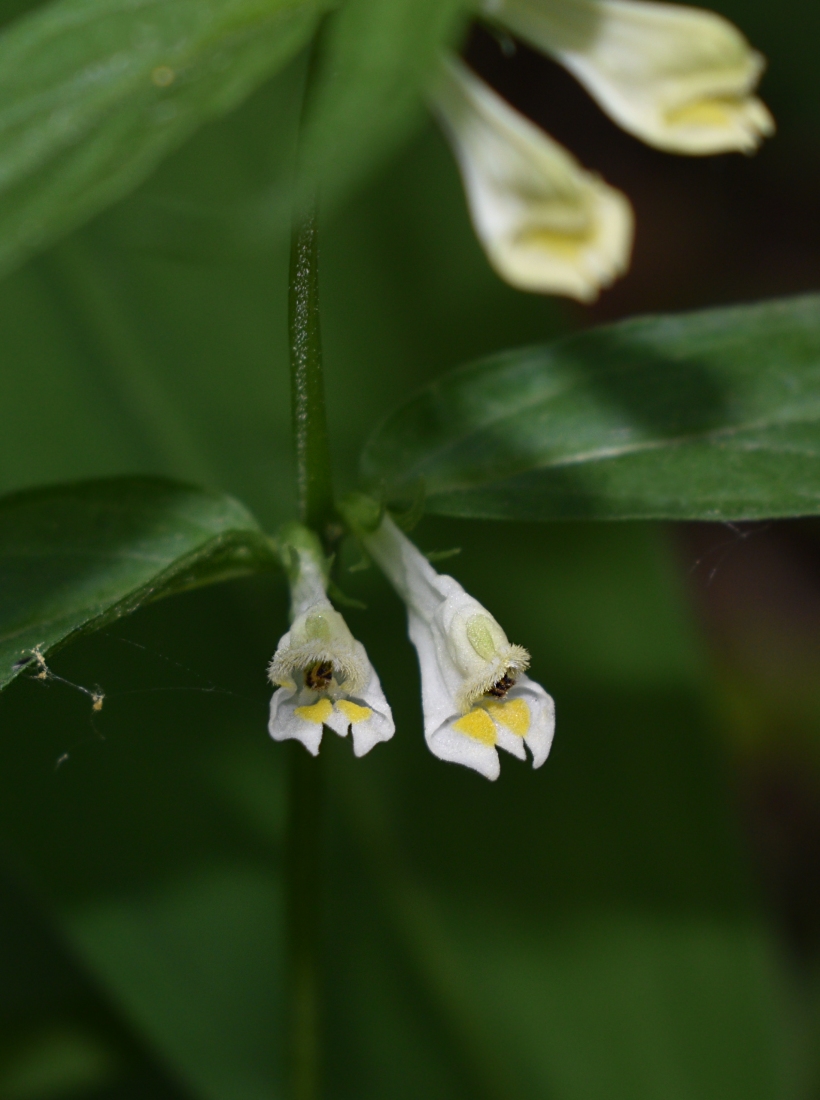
<point x="545" y="223"/>
<point x="322" y="674"/>
<point x="476" y="696"/>
<point x="680" y="78"/>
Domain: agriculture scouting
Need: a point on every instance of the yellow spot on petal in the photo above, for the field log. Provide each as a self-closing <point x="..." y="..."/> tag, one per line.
<point x="478" y="725"/>
<point x="566" y="246"/>
<point x="353" y="712"/>
<point x="718" y="113"/>
<point x="515" y="715"/>
<point x="318" y="713"/>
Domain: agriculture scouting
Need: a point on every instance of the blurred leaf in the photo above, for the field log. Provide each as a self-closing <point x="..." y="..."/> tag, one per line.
<point x="546" y="922"/>
<point x="484" y="940"/>
<point x="93" y="93"/>
<point x="140" y="821"/>
<point x="375" y="61"/>
<point x="712" y="415"/>
<point x="125" y="361"/>
<point x="76" y="557"/>
<point x="583" y="932"/>
<point x="59" y="1034"/>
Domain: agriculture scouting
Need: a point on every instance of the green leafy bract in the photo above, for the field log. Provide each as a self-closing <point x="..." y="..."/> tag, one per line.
<point x="712" y="415"/>
<point x="75" y="557"/>
<point x="93" y="93"/>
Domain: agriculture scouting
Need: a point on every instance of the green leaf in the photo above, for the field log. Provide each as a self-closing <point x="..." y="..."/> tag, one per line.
<point x="93" y="93"/>
<point x="76" y="557"/>
<point x="712" y="415"/>
<point x="375" y="62"/>
<point x="59" y="1035"/>
<point x="580" y="932"/>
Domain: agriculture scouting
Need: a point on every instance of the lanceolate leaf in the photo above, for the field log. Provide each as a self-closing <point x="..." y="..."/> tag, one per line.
<point x="75" y="557"/>
<point x="93" y="93"/>
<point x="712" y="415"/>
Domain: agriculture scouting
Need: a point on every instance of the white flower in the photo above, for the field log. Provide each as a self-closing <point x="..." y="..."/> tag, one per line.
<point x="476" y="697"/>
<point x="679" y="78"/>
<point x="545" y="223"/>
<point x="323" y="675"/>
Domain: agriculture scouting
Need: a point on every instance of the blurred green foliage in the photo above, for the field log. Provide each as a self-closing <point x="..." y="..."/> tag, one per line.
<point x="590" y="930"/>
<point x="711" y="415"/>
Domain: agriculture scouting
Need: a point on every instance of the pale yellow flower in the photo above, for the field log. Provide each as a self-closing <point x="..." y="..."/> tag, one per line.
<point x="679" y="78"/>
<point x="545" y="223"/>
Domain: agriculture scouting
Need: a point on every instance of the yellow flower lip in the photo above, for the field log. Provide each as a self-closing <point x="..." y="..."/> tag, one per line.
<point x="514" y="715"/>
<point x="478" y="725"/>
<point x="318" y="713"/>
<point x="353" y="711"/>
<point x="480" y="722"/>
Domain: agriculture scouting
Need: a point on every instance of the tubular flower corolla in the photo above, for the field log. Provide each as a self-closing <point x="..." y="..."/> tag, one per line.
<point x="322" y="674"/>
<point x="476" y="696"/>
<point x="544" y="222"/>
<point x="680" y="78"/>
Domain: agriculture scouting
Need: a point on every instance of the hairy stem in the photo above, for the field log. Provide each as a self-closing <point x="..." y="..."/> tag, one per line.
<point x="305" y="787"/>
<point x="313" y="471"/>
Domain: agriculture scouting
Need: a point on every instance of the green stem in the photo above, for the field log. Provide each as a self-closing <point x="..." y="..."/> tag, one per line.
<point x="305" y="788"/>
<point x="303" y="881"/>
<point x="313" y="470"/>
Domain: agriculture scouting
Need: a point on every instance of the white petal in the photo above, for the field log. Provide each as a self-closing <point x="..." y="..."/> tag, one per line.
<point x="439" y="707"/>
<point x="542" y="712"/>
<point x="511" y="743"/>
<point x="456" y="748"/>
<point x="338" y="722"/>
<point x="379" y="727"/>
<point x="545" y="223"/>
<point x="679" y="78"/>
<point x="526" y="715"/>
<point x="286" y="725"/>
<point x="369" y="730"/>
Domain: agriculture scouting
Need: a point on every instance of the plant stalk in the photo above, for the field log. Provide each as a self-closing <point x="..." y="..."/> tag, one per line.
<point x="313" y="470"/>
<point x="305" y="786"/>
<point x="303" y="916"/>
<point x="314" y="481"/>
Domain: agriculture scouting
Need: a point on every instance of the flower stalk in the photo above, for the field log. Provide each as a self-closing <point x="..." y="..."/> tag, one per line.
<point x="303" y="884"/>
